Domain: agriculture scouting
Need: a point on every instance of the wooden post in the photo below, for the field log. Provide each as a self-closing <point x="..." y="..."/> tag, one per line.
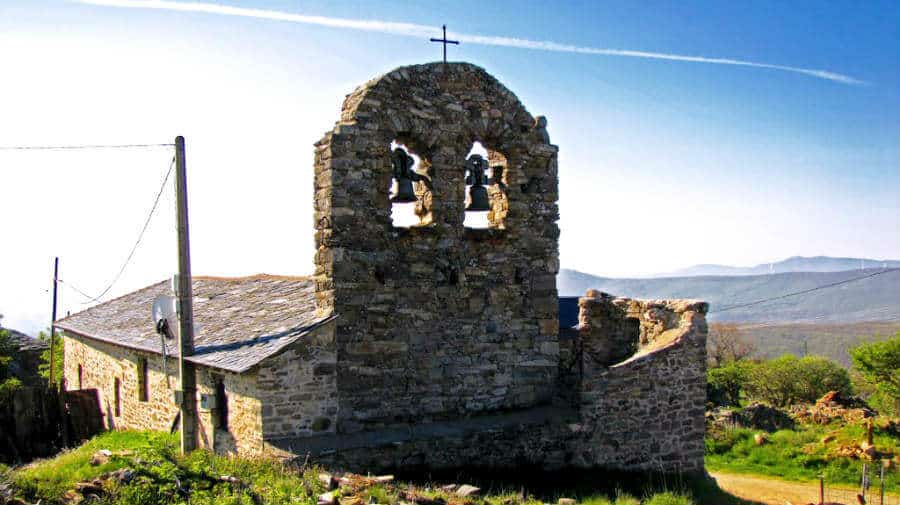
<point x="864" y="483"/>
<point x="186" y="374"/>
<point x="882" y="481"/>
<point x="821" y="489"/>
<point x="53" y="321"/>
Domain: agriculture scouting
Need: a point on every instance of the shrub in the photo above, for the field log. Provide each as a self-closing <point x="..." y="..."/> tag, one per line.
<point x="878" y="363"/>
<point x="725" y="383"/>
<point x="57" y="347"/>
<point x="8" y="383"/>
<point x="788" y="380"/>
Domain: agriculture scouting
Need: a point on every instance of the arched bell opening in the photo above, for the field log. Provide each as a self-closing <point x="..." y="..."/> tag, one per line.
<point x="486" y="203"/>
<point x="410" y="189"/>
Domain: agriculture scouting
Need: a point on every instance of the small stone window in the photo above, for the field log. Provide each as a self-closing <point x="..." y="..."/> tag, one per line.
<point x="220" y="413"/>
<point x="142" y="386"/>
<point x="410" y="190"/>
<point x="117" y="397"/>
<point x="80" y="377"/>
<point x="486" y="203"/>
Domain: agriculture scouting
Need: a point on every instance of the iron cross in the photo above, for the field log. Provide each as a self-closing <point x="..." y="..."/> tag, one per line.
<point x="445" y="42"/>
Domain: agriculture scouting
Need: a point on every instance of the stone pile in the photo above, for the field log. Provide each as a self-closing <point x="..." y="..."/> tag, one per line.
<point x="833" y="406"/>
<point x="756" y="416"/>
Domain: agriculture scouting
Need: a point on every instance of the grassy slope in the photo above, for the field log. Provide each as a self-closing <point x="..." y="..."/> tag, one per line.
<point x="797" y="454"/>
<point x="161" y="471"/>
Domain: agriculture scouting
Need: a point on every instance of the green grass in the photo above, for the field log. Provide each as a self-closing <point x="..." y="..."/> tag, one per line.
<point x="49" y="479"/>
<point x="163" y="477"/>
<point x="159" y="468"/>
<point x="797" y="454"/>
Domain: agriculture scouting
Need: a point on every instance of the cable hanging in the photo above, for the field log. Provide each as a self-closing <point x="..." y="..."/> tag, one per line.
<point x="802" y="292"/>
<point x="137" y="242"/>
<point x="74" y="288"/>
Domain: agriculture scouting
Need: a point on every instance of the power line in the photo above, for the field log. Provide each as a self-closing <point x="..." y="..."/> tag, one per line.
<point x="803" y="292"/>
<point x="83" y="146"/>
<point x="74" y="288"/>
<point x="137" y="242"/>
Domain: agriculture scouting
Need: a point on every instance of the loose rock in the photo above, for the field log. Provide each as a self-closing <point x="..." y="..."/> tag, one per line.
<point x="327" y="499"/>
<point x="467" y="490"/>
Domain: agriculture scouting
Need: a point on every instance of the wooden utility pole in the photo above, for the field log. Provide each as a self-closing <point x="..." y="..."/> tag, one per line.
<point x="186" y="374"/>
<point x="52" y="322"/>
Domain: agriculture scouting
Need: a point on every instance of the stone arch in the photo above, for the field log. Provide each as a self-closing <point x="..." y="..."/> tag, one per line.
<point x="403" y="295"/>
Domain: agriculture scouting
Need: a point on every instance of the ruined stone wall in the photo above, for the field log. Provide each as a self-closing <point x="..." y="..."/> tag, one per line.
<point x="102" y="363"/>
<point x="641" y="413"/>
<point x="646" y="412"/>
<point x="298" y="387"/>
<point x="439" y="320"/>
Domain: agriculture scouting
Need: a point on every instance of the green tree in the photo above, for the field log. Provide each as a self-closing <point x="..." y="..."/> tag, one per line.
<point x="878" y="363"/>
<point x="725" y="383"/>
<point x="8" y="383"/>
<point x="788" y="380"/>
<point x="57" y="347"/>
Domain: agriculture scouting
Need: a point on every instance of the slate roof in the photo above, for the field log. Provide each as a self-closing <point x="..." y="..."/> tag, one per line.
<point x="24" y="342"/>
<point x="238" y="322"/>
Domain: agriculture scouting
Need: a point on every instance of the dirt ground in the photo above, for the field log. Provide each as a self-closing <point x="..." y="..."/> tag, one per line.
<point x="778" y="492"/>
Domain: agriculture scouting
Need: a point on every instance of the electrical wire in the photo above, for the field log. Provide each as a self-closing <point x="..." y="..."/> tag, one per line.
<point x="84" y="146"/>
<point x="802" y="292"/>
<point x="74" y="288"/>
<point x="137" y="242"/>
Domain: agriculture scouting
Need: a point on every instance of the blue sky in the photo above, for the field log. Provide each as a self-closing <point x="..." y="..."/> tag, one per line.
<point x="663" y="163"/>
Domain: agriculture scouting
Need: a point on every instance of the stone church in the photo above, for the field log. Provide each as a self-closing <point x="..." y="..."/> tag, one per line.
<point x="432" y="342"/>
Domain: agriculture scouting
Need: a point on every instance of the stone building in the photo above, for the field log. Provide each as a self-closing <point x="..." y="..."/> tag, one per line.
<point x="25" y="352"/>
<point x="439" y="340"/>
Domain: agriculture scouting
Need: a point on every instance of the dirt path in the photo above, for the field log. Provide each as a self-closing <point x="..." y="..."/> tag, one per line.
<point x="778" y="492"/>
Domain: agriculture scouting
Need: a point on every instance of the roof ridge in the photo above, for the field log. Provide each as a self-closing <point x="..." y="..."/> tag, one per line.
<point x="254" y="276"/>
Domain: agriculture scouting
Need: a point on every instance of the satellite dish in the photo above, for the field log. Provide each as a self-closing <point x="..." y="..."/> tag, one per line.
<point x="165" y="317"/>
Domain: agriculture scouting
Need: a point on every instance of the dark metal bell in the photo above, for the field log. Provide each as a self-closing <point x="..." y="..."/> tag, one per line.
<point x="478" y="199"/>
<point x="405" y="193"/>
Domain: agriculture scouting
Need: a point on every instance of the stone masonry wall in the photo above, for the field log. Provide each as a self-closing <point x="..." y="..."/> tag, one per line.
<point x="298" y="387"/>
<point x="643" y="413"/>
<point x="102" y="363"/>
<point x="243" y="432"/>
<point x="437" y="321"/>
<point x="646" y="412"/>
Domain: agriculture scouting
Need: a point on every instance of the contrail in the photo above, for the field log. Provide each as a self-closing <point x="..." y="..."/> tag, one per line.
<point x="421" y="31"/>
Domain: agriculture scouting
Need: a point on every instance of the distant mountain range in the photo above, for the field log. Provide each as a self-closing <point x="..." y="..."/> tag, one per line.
<point x="876" y="298"/>
<point x="792" y="264"/>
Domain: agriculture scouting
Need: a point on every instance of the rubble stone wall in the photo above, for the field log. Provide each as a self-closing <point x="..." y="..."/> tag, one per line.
<point x="298" y="387"/>
<point x="439" y="320"/>
<point x="642" y="413"/>
<point x="646" y="412"/>
<point x="102" y="363"/>
<point x="242" y="431"/>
